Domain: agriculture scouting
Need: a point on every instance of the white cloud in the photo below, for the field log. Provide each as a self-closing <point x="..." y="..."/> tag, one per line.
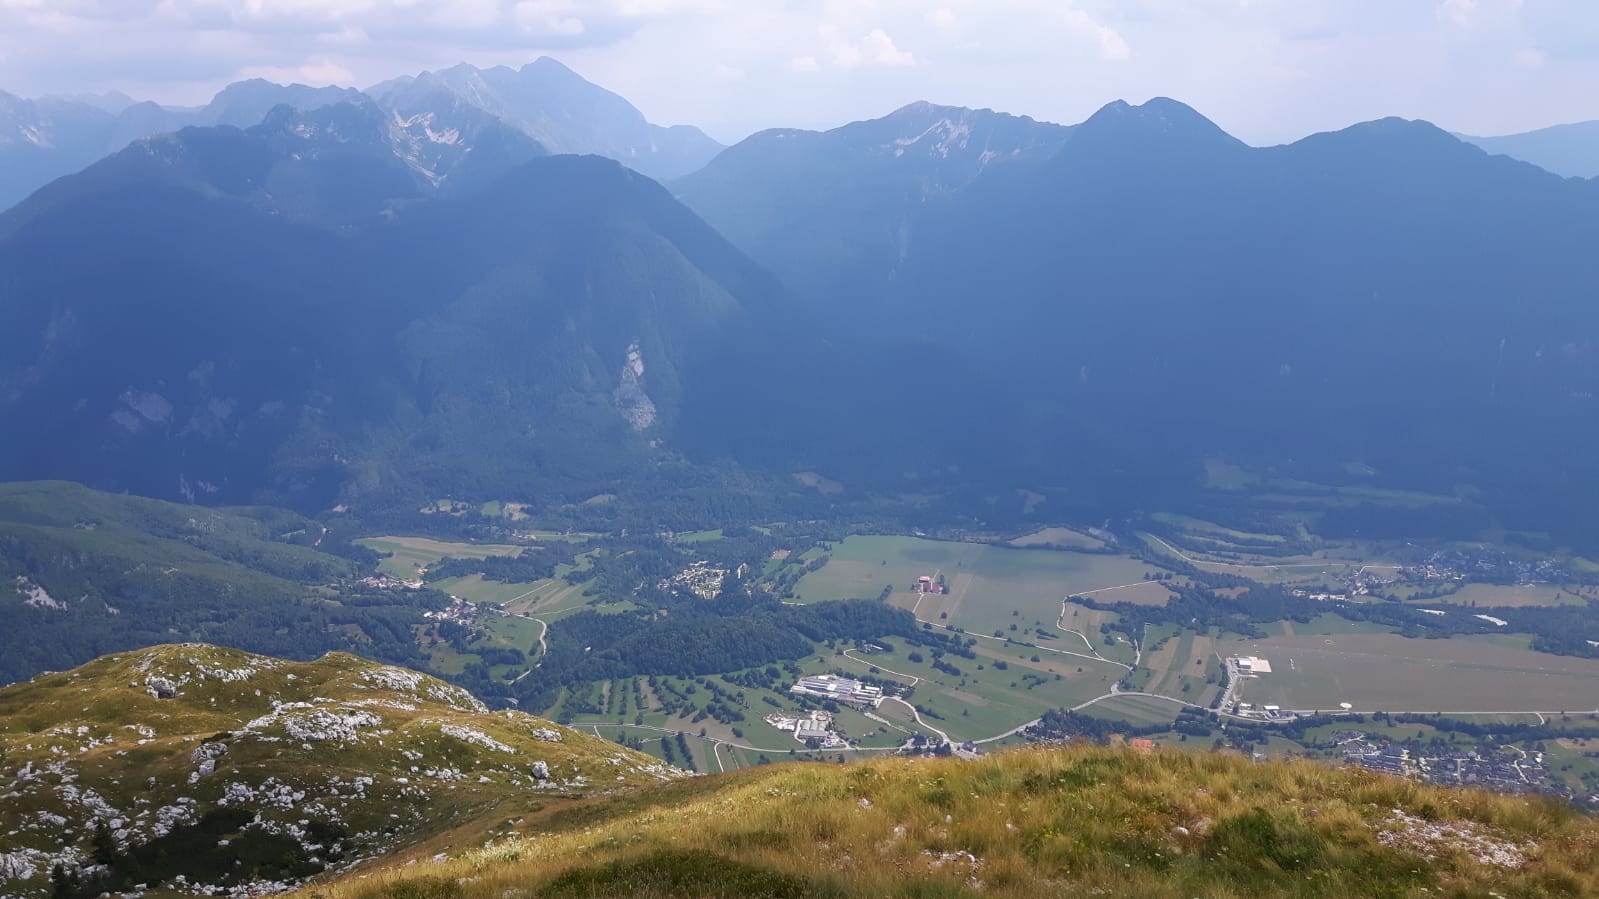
<point x="876" y="48"/>
<point x="317" y="74"/>
<point x="349" y="36"/>
<point x="1458" y="12"/>
<point x="1111" y="44"/>
<point x="881" y="50"/>
<point x="549" y="17"/>
<point x="1269" y="69"/>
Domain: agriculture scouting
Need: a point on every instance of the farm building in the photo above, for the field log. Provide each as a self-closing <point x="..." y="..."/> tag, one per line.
<point x="839" y="689"/>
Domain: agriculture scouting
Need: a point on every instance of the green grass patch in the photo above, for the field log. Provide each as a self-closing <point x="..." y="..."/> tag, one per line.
<point x="407" y="557"/>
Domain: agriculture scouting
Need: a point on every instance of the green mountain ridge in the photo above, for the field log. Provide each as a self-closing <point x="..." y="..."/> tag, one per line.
<point x="848" y="198"/>
<point x="536" y="335"/>
<point x="228" y="769"/>
<point x="84" y="573"/>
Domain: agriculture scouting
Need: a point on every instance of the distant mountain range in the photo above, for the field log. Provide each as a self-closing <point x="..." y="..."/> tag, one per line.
<point x="556" y="107"/>
<point x="1569" y="150"/>
<point x="417" y="301"/>
<point x="1145" y="285"/>
<point x="846" y="198"/>
<point x="45" y="139"/>
<point x="207" y="307"/>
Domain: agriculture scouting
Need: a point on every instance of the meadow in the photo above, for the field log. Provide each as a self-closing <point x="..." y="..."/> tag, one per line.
<point x="1185" y="666"/>
<point x="989" y="588"/>
<point x="407" y="557"/>
<point x="1137" y="710"/>
<point x="1059" y="538"/>
<point x="1388" y="672"/>
<point x="1514" y="595"/>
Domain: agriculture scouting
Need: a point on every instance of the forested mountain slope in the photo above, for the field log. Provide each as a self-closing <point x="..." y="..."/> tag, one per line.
<point x="832" y="213"/>
<point x="1385" y="295"/>
<point x="282" y="312"/>
<point x="85" y="573"/>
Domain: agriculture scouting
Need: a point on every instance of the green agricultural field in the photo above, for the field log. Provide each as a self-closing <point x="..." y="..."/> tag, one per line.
<point x="559" y="599"/>
<point x="408" y="556"/>
<point x="1180" y="666"/>
<point x="1485" y="595"/>
<point x="1137" y="710"/>
<point x="979" y="704"/>
<point x="548" y="599"/>
<point x="983" y="701"/>
<point x="859" y="567"/>
<point x="515" y="632"/>
<point x="473" y="588"/>
<point x="1388" y="672"/>
<point x="1080" y="626"/>
<point x="989" y="587"/>
<point x="1575" y="760"/>
<point x="1325" y="626"/>
<point x="1059" y="538"/>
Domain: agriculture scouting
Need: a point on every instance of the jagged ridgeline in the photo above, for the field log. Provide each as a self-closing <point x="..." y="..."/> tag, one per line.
<point x="195" y="768"/>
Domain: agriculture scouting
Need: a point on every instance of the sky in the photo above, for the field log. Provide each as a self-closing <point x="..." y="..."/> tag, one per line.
<point x="1268" y="71"/>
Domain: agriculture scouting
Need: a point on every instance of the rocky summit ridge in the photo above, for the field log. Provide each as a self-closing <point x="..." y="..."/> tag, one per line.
<point x="195" y="769"/>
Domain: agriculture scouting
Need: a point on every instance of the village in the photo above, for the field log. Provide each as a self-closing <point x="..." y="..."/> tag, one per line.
<point x="1505" y="769"/>
<point x="701" y="579"/>
<point x="1444" y="571"/>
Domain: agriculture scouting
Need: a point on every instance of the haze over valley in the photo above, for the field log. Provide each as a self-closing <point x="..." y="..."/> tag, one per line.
<point x="464" y="485"/>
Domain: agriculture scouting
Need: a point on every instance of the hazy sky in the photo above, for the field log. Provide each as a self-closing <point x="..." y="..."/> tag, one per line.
<point x="1267" y="70"/>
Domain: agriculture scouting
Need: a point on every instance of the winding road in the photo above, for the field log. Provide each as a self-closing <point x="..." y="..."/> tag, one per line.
<point x="544" y="626"/>
<point x="1060" y="625"/>
<point x="918" y="716"/>
<point x="914" y="680"/>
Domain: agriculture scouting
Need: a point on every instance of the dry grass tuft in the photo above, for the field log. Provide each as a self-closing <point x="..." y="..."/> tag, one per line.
<point x="1037" y="822"/>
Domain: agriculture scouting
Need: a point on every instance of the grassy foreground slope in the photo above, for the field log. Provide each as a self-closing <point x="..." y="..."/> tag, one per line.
<point x="1035" y="822"/>
<point x="224" y="769"/>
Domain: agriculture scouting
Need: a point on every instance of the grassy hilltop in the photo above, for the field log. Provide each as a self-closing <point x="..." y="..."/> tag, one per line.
<point x="226" y="767"/>
<point x="232" y="769"/>
<point x="1033" y="822"/>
